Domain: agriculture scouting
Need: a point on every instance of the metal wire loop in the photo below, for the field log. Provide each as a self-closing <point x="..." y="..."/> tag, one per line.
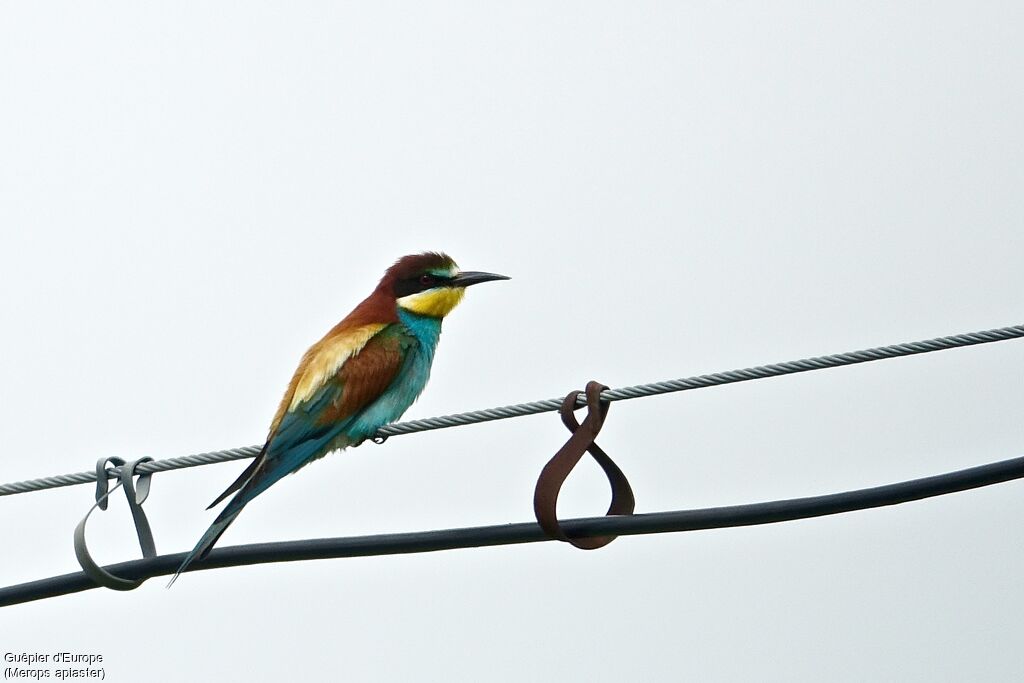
<point x="557" y="470"/>
<point x="136" y="493"/>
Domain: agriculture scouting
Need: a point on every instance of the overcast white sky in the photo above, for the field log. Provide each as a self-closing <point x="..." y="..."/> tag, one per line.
<point x="191" y="194"/>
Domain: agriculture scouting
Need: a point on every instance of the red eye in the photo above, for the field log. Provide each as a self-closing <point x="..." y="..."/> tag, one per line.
<point x="427" y="279"/>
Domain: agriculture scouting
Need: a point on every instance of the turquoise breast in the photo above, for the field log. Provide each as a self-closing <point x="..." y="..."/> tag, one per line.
<point x="422" y="334"/>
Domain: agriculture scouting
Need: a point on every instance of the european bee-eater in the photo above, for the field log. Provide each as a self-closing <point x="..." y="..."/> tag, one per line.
<point x="362" y="375"/>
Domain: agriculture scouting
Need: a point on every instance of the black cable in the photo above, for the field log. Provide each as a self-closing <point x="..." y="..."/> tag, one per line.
<point x="429" y="541"/>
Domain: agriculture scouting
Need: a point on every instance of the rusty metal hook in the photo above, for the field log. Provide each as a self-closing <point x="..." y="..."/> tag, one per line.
<point x="556" y="471"/>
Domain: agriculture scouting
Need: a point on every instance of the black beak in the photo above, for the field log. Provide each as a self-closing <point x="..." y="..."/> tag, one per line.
<point x="471" y="277"/>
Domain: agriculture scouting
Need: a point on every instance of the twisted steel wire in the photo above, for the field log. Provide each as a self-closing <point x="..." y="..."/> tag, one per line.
<point x="550" y="405"/>
<point x="153" y="466"/>
<point x="702" y="381"/>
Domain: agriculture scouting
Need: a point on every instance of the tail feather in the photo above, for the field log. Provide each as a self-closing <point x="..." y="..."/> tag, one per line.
<point x="206" y="543"/>
<point x="256" y="479"/>
<point x="243" y="478"/>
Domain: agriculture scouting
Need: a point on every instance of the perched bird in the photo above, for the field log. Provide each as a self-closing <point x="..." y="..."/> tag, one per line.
<point x="362" y="375"/>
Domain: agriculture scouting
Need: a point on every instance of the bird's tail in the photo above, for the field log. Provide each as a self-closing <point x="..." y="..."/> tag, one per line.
<point x="254" y="480"/>
<point x="206" y="543"/>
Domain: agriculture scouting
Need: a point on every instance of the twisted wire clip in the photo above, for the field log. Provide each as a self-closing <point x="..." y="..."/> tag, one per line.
<point x="136" y="495"/>
<point x="555" y="472"/>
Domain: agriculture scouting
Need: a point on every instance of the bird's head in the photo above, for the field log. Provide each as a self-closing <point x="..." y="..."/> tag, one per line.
<point x="430" y="284"/>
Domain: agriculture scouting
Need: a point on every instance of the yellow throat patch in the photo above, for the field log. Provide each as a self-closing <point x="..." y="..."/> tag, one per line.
<point x="437" y="303"/>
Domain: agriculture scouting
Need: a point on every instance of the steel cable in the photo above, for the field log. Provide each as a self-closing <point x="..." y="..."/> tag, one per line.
<point x="549" y="405"/>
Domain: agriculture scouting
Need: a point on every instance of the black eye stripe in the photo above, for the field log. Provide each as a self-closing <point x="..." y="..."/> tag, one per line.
<point x="418" y="283"/>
